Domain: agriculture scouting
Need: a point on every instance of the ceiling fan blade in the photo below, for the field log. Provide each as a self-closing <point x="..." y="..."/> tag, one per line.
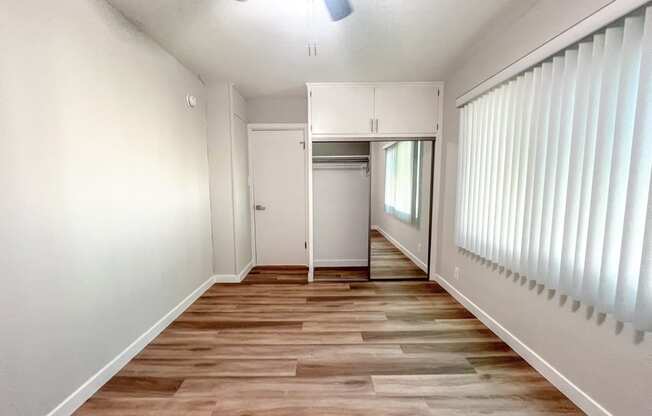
<point x="338" y="9"/>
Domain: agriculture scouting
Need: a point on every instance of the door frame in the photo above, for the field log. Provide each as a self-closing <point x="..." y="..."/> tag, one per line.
<point x="270" y="127"/>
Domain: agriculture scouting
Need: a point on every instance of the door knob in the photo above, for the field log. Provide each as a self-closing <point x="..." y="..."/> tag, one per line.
<point x="261" y="207"/>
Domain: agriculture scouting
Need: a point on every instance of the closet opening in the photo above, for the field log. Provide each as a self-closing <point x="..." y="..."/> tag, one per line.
<point x="372" y="205"/>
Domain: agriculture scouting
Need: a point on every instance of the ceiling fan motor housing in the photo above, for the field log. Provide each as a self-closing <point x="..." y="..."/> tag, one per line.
<point x="338" y="9"/>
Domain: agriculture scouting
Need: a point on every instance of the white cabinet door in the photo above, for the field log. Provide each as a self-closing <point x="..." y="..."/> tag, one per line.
<point x="405" y="109"/>
<point x="342" y="109"/>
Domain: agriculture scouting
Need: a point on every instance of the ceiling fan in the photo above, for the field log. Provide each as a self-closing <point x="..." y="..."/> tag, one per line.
<point x="338" y="9"/>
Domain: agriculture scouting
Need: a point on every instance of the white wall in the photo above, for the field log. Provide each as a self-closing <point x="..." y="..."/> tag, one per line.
<point x="104" y="218"/>
<point x="611" y="364"/>
<point x="241" y="194"/>
<point x="219" y="155"/>
<point x="277" y="110"/>
<point x="340" y="149"/>
<point x="229" y="171"/>
<point x="341" y="216"/>
<point x="413" y="238"/>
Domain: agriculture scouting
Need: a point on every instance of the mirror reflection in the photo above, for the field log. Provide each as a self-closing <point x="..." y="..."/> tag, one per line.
<point x="401" y="174"/>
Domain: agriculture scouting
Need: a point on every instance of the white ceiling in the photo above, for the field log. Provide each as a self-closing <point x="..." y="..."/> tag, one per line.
<point x="261" y="45"/>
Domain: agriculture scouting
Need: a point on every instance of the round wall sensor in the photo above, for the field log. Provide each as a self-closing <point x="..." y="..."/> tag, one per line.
<point x="191" y="100"/>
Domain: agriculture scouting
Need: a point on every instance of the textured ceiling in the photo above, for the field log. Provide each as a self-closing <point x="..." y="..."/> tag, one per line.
<point x="261" y="45"/>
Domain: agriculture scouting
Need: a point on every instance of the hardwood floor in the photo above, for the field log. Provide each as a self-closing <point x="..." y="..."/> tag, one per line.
<point x="388" y="262"/>
<point x="277" y="346"/>
<point x="341" y="274"/>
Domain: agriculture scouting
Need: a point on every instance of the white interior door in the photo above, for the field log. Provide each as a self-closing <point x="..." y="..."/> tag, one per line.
<point x="342" y="109"/>
<point x="406" y="109"/>
<point x="279" y="180"/>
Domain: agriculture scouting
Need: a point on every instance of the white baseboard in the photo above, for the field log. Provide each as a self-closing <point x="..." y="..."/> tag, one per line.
<point x="342" y="263"/>
<point x="93" y="384"/>
<point x="244" y="272"/>
<point x="234" y="278"/>
<point x="554" y="376"/>
<point x="226" y="278"/>
<point x="402" y="248"/>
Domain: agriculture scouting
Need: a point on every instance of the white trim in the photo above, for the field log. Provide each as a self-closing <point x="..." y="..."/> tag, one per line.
<point x="252" y="194"/>
<point x="232" y="114"/>
<point x="276" y="126"/>
<point x="226" y="278"/>
<point x="307" y="163"/>
<point x="570" y="36"/>
<point x="376" y="137"/>
<point x="375" y="84"/>
<point x="342" y="263"/>
<point x="402" y="248"/>
<point x="245" y="271"/>
<point x="309" y="195"/>
<point x="97" y="380"/>
<point x="554" y="376"/>
<point x="436" y="190"/>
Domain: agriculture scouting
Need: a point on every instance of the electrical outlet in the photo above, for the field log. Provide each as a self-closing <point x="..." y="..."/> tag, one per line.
<point x="457" y="273"/>
<point x="419" y="247"/>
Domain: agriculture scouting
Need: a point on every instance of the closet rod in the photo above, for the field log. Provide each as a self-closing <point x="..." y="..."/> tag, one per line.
<point x="342" y="166"/>
<point x="340" y="159"/>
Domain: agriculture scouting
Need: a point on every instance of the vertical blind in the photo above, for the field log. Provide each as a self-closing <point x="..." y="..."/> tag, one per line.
<point x="554" y="172"/>
<point x="402" y="177"/>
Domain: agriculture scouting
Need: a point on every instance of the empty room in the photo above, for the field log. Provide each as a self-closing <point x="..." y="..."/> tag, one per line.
<point x="325" y="207"/>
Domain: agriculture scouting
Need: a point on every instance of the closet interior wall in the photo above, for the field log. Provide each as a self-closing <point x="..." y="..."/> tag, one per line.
<point x="341" y="191"/>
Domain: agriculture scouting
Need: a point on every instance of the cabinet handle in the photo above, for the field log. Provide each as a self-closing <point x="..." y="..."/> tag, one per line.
<point x="376" y="125"/>
<point x="371" y="124"/>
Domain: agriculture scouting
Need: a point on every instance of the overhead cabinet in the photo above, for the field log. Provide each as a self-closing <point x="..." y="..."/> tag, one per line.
<point x="342" y="109"/>
<point x="374" y="110"/>
<point x="406" y="109"/>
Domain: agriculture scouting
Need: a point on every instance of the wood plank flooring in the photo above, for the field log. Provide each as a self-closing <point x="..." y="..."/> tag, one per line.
<point x="341" y="274"/>
<point x="277" y="346"/>
<point x="388" y="262"/>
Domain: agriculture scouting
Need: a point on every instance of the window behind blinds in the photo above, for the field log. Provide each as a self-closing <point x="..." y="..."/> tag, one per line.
<point x="554" y="172"/>
<point x="402" y="177"/>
